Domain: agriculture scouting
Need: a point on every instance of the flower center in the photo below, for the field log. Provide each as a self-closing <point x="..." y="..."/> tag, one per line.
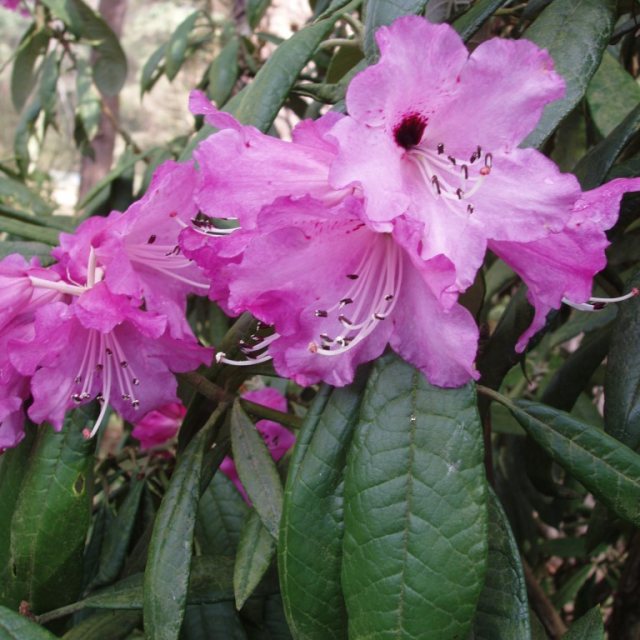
<point x="450" y="179"/>
<point x="408" y="133"/>
<point x="370" y="299"/>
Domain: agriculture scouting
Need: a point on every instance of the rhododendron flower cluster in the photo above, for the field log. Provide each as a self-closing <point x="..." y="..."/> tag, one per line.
<point x="364" y="230"/>
<point x="107" y="320"/>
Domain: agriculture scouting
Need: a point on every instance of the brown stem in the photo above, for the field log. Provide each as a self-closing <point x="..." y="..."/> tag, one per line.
<point x="625" y="618"/>
<point x="547" y="613"/>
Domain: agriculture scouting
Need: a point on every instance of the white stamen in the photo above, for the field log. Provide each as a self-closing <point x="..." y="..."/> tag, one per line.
<point x="597" y="304"/>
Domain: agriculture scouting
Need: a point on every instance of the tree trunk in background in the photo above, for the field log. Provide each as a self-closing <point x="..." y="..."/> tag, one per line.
<point x="94" y="169"/>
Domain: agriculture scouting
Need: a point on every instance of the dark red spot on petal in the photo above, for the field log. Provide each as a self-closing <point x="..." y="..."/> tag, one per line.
<point x="409" y="132"/>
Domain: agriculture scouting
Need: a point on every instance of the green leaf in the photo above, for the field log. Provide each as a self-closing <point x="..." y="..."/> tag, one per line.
<point x="169" y="560"/>
<point x="24" y="131"/>
<point x="589" y="627"/>
<point x="503" y="610"/>
<point x="255" y="553"/>
<point x="110" y="66"/>
<point x="415" y="547"/>
<point x="177" y="46"/>
<point x="481" y="10"/>
<point x="576" y="33"/>
<point x="118" y="536"/>
<point x="611" y="79"/>
<point x="153" y="69"/>
<point x="594" y="166"/>
<point x="51" y="518"/>
<point x="256" y="10"/>
<point x="259" y="103"/>
<point x="622" y="382"/>
<point x="256" y="469"/>
<point x="13" y="626"/>
<point x="382" y="12"/>
<point x="607" y="468"/>
<point x="29" y="231"/>
<point x="224" y="72"/>
<point x="343" y="60"/>
<point x="221" y="513"/>
<point x="218" y="621"/>
<point x="312" y="531"/>
<point x="47" y="89"/>
<point x="17" y="194"/>
<point x="114" y="625"/>
<point x="33" y="44"/>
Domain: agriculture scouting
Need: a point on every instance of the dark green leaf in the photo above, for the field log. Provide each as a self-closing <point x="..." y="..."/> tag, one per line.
<point x="255" y="553"/>
<point x="168" y="565"/>
<point x="503" y="610"/>
<point x="218" y="621"/>
<point x="589" y="627"/>
<point x="47" y="89"/>
<point x="17" y="194"/>
<point x="177" y="46"/>
<point x="255" y="10"/>
<point x="415" y="547"/>
<point x="607" y="468"/>
<point x="153" y="69"/>
<point x="13" y="626"/>
<point x="51" y="518"/>
<point x="343" y="60"/>
<point x="23" y="75"/>
<point x="224" y="72"/>
<point x="382" y="12"/>
<point x="311" y="536"/>
<point x="256" y="469"/>
<point x="611" y="79"/>
<point x="481" y="10"/>
<point x="221" y="513"/>
<point x="259" y="103"/>
<point x="24" y="131"/>
<point x="105" y="625"/>
<point x="118" y="536"/>
<point x="89" y="109"/>
<point x="576" y="33"/>
<point x="622" y="382"/>
<point x="594" y="166"/>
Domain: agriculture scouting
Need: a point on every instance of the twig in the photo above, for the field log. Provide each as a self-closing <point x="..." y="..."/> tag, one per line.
<point x="542" y="605"/>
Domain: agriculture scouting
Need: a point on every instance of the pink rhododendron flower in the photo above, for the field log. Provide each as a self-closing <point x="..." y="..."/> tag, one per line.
<point x="160" y="425"/>
<point x="15" y="5"/>
<point x="277" y="438"/>
<point x="438" y="142"/>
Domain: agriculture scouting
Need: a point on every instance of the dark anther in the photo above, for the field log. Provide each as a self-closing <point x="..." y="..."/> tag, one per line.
<point x="321" y="313"/>
<point x="78" y="379"/>
<point x="488" y="160"/>
<point x="389" y="297"/>
<point x="440" y="149"/>
<point x="152" y="239"/>
<point x="126" y="397"/>
<point x="326" y="337"/>
<point x="598" y="306"/>
<point x="353" y="276"/>
<point x="379" y="316"/>
<point x="174" y="252"/>
<point x="465" y="170"/>
<point x="135" y="404"/>
<point x="100" y="398"/>
<point x="452" y="160"/>
<point x="124" y="364"/>
<point x="108" y="351"/>
<point x="99" y="366"/>
<point x="479" y="151"/>
<point x="469" y="208"/>
<point x="436" y="183"/>
<point x="345" y="301"/>
<point x="459" y="193"/>
<point x="345" y="320"/>
<point x="409" y="132"/>
<point x="76" y="397"/>
<point x="135" y="381"/>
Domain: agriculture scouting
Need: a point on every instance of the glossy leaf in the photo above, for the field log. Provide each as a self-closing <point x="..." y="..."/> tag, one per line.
<point x="23" y="73"/>
<point x="611" y="79"/>
<point x="594" y="166"/>
<point x="118" y="536"/>
<point x="169" y="560"/>
<point x="221" y="513"/>
<point x="14" y="626"/>
<point x="224" y="72"/>
<point x="503" y="609"/>
<point x="622" y="382"/>
<point x="312" y="531"/>
<point x="103" y="625"/>
<point x="256" y="550"/>
<point x="256" y="469"/>
<point x="51" y="517"/>
<point x="383" y="12"/>
<point x="415" y="546"/>
<point x="177" y="46"/>
<point x="589" y="627"/>
<point x="576" y="33"/>
<point x="607" y="468"/>
<point x="481" y="10"/>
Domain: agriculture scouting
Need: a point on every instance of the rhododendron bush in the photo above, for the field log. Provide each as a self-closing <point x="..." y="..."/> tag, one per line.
<point x="366" y="371"/>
